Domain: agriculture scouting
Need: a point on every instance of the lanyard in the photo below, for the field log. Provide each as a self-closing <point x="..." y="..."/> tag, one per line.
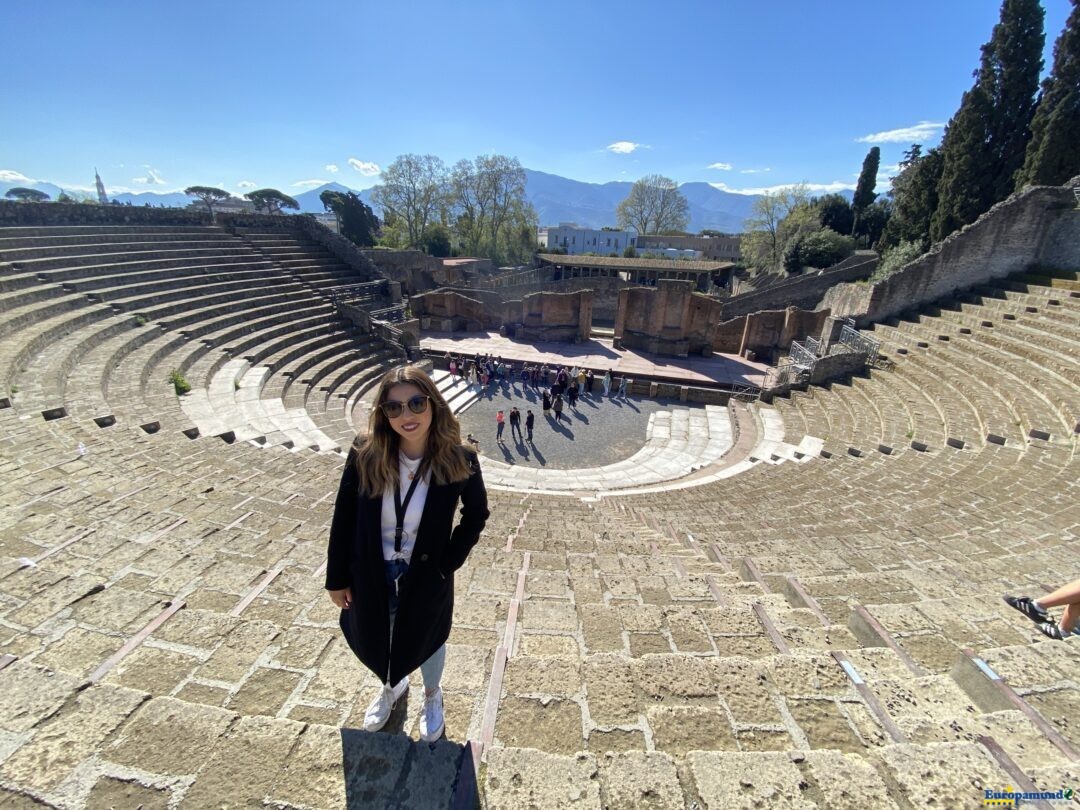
<point x="400" y="509"/>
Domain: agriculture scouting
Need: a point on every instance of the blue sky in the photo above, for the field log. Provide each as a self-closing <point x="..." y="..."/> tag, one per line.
<point x="747" y="95"/>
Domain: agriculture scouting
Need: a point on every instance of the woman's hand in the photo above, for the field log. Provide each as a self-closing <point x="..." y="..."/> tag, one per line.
<point x="342" y="598"/>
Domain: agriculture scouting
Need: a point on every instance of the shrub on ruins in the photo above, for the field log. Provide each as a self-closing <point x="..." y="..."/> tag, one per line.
<point x="271" y="201"/>
<point x="179" y="383"/>
<point x="896" y="257"/>
<point x="1053" y="153"/>
<point x="26" y="195"/>
<point x="209" y="195"/>
<point x="356" y="221"/>
<point x="629" y="252"/>
<point x="819" y="249"/>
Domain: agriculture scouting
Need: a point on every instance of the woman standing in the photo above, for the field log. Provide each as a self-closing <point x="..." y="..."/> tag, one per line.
<point x="393" y="548"/>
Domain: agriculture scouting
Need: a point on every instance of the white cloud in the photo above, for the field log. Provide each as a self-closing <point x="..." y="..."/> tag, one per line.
<point x="919" y="133"/>
<point x="245" y="184"/>
<point x="366" y="168"/>
<point x="12" y="176"/>
<point x="309" y="183"/>
<point x="724" y="167"/>
<point x="153" y="178"/>
<point x="826" y="188"/>
<point x="624" y="147"/>
<point x="332" y="168"/>
<point x="754" y="171"/>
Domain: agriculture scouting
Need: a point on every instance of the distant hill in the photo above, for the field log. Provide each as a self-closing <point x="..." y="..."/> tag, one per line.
<point x="556" y="199"/>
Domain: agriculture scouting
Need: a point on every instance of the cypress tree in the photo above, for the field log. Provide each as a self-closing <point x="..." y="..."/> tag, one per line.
<point x="864" y="189"/>
<point x="1053" y="153"/>
<point x="914" y="198"/>
<point x="985" y="141"/>
<point x="964" y="190"/>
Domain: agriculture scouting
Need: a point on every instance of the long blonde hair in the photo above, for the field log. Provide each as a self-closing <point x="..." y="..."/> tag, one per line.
<point x="377" y="452"/>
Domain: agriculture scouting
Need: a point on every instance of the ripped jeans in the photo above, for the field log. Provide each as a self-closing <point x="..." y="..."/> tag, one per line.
<point x="432" y="669"/>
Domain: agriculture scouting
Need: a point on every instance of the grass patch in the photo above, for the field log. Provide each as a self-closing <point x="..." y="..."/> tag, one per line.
<point x="140" y="320"/>
<point x="179" y="383"/>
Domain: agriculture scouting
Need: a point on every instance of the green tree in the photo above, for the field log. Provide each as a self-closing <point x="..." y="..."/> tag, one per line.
<point x="436" y="240"/>
<point x="490" y="212"/>
<point x="654" y="205"/>
<point x="985" y="141"/>
<point x="825" y="248"/>
<point x="778" y="219"/>
<point x="873" y="222"/>
<point x="65" y="198"/>
<point x="629" y="252"/>
<point x="834" y="211"/>
<point x="26" y="195"/>
<point x="356" y="221"/>
<point x="965" y="188"/>
<point x="1012" y="63"/>
<point x="412" y="193"/>
<point x="271" y="200"/>
<point x="914" y="193"/>
<point x="864" y="189"/>
<point x="1053" y="153"/>
<point x="209" y="195"/>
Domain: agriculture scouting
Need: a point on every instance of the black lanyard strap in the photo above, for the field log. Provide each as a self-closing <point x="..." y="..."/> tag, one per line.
<point x="400" y="509"/>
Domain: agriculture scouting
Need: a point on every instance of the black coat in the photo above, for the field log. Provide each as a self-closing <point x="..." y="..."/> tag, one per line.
<point x="426" y="595"/>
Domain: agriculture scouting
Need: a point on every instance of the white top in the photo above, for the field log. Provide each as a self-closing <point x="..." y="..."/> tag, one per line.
<point x="407" y="468"/>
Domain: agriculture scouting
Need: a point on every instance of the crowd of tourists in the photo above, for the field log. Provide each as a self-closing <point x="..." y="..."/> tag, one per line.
<point x="559" y="388"/>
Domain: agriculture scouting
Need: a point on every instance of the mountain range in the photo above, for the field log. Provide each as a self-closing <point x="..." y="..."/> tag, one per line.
<point x="556" y="199"/>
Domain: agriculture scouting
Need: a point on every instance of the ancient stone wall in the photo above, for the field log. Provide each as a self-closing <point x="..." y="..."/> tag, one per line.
<point x="669" y="319"/>
<point x="413" y="269"/>
<point x="605" y="299"/>
<point x="553" y="316"/>
<point x="1035" y="226"/>
<point x="768" y="332"/>
<point x="804" y="291"/>
<point x="450" y="311"/>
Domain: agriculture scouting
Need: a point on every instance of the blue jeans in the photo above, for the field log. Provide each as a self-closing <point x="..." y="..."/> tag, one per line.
<point x="432" y="669"/>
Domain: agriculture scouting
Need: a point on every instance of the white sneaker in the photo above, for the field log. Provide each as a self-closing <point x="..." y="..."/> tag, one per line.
<point x="431" y="717"/>
<point x="379" y="711"/>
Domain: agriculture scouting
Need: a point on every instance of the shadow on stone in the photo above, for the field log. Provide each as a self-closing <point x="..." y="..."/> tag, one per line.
<point x="394" y="771"/>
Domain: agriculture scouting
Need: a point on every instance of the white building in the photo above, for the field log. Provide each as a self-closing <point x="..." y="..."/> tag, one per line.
<point x="586" y="240"/>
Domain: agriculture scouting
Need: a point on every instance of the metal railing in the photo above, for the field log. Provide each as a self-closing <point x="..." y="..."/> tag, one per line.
<point x="802" y="357"/>
<point x="860" y="343"/>
<point x="366" y="291"/>
<point x="394" y="314"/>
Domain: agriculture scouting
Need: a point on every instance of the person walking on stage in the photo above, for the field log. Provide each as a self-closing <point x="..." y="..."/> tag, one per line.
<point x="547" y="403"/>
<point x="515" y="423"/>
<point x="530" y="420"/>
<point x="500" y="422"/>
<point x="557" y="406"/>
<point x="392" y="580"/>
<point x="607" y="382"/>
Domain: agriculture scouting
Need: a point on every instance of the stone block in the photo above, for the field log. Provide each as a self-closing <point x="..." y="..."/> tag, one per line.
<point x="264" y="692"/>
<point x="613" y="694"/>
<point x="746" y="781"/>
<point x="69" y="737"/>
<point x="238" y="651"/>
<point x="521" y="778"/>
<point x="313" y="775"/>
<point x="244" y="763"/>
<point x="944" y="775"/>
<point x="110" y="791"/>
<point x="640" y="780"/>
<point x="554" y="726"/>
<point x="556" y="677"/>
<point x="847" y="782"/>
<point x="681" y="729"/>
<point x="168" y="736"/>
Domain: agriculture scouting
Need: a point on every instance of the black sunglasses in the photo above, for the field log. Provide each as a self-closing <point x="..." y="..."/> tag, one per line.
<point x="394" y="409"/>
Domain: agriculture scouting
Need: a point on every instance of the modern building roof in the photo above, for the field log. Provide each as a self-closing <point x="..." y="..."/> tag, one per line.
<point x="668" y="265"/>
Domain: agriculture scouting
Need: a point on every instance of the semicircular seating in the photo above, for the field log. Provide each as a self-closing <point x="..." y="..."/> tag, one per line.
<point x="806" y="633"/>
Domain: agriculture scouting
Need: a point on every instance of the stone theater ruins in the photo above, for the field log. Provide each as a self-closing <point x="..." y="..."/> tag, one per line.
<point x="785" y="593"/>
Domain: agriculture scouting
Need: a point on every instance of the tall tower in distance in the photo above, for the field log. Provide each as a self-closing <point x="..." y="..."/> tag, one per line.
<point x="102" y="197"/>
